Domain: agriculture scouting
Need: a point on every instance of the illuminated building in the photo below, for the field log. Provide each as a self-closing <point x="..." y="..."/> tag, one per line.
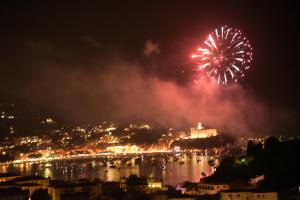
<point x="26" y="140"/>
<point x="257" y="179"/>
<point x="211" y="188"/>
<point x="201" y="132"/>
<point x="141" y="126"/>
<point x="180" y="134"/>
<point x="154" y="183"/>
<point x="144" y="126"/>
<point x="135" y="183"/>
<point x="123" y="149"/>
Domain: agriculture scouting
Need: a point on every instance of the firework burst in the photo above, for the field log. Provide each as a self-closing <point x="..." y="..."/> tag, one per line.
<point x="225" y="55"/>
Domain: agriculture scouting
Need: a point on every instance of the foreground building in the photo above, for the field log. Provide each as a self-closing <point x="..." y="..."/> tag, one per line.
<point x="248" y="195"/>
<point x="212" y="188"/>
<point x="25" y="183"/>
<point x="14" y="194"/>
<point x="8" y="176"/>
<point x="147" y="185"/>
<point x="82" y="190"/>
<point x="17" y="187"/>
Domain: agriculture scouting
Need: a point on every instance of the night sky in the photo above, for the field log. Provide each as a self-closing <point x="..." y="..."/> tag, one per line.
<point x="85" y="36"/>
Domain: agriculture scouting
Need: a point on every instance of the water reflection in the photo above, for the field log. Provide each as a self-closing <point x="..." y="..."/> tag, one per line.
<point x="171" y="169"/>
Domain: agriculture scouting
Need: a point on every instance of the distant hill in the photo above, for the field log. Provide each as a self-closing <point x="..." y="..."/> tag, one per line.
<point x="20" y="118"/>
<point x="204" y="143"/>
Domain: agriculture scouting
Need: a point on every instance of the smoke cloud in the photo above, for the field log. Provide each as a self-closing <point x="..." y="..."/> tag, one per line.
<point x="123" y="93"/>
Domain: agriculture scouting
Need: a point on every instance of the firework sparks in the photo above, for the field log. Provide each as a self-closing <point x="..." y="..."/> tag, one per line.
<point x="225" y="55"/>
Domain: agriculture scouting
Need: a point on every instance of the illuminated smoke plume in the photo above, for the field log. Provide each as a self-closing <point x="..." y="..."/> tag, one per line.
<point x="120" y="90"/>
<point x="124" y="93"/>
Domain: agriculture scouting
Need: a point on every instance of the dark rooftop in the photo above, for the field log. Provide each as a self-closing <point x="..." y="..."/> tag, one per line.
<point x="248" y="190"/>
<point x="28" y="178"/>
<point x="4" y="175"/>
<point x="13" y="192"/>
<point x="65" y="184"/>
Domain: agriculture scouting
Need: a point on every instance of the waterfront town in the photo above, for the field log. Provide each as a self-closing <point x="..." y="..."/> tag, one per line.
<point x="247" y="176"/>
<point x="238" y="167"/>
<point x="63" y="142"/>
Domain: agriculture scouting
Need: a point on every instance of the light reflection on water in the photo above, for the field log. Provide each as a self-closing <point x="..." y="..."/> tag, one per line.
<point x="186" y="168"/>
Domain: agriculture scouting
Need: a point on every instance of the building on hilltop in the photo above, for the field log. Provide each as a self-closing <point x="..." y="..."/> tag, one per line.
<point x="201" y="132"/>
